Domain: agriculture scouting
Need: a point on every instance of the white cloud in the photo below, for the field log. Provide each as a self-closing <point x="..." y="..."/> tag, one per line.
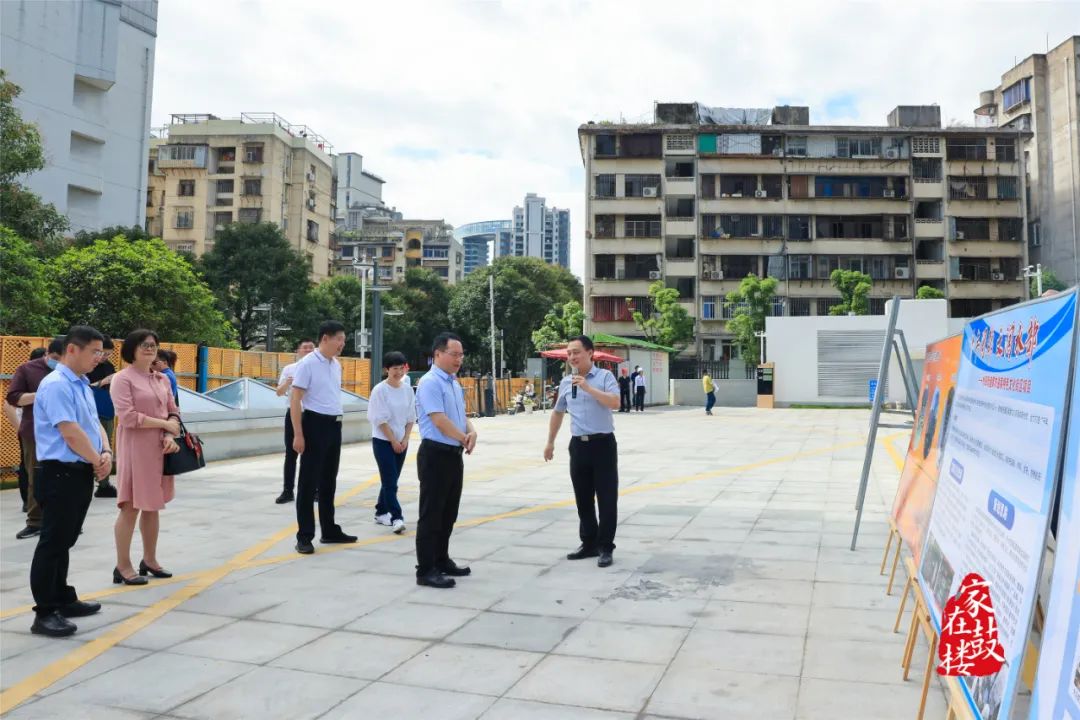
<point x="465" y="107"/>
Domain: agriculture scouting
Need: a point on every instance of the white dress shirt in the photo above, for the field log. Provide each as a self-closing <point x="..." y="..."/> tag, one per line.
<point x="395" y="406"/>
<point x="289" y="371"/>
<point x="320" y="379"/>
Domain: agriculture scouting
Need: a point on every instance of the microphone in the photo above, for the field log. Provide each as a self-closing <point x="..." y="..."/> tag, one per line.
<point x="573" y="392"/>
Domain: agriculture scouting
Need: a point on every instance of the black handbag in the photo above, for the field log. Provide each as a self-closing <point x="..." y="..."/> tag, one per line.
<point x="189" y="457"/>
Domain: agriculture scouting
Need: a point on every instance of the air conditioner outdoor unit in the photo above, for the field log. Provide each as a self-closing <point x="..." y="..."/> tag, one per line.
<point x="649" y="192"/>
<point x="718" y="275"/>
<point x="997" y="276"/>
<point x="889" y="193"/>
<point x="902" y="273"/>
<point x="654" y="274"/>
<point x="761" y="194"/>
<point x="310" y="176"/>
<point x="892" y="153"/>
<point x="311" y="204"/>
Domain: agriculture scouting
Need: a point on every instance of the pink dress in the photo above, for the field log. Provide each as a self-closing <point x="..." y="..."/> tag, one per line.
<point x="139" y="458"/>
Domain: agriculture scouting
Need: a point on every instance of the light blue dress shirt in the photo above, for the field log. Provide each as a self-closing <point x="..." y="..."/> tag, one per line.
<point x="320" y="379"/>
<point x="587" y="415"/>
<point x="62" y="397"/>
<point x="439" y="391"/>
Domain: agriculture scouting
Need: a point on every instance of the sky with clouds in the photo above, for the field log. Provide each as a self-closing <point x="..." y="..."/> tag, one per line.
<point x="463" y="107"/>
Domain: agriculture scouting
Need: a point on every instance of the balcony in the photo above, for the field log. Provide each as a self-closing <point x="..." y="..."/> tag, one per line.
<point x="930" y="270"/>
<point x="963" y="289"/>
<point x="626" y="205"/>
<point x="182" y="156"/>
<point x="633" y="246"/>
<point x="620" y="286"/>
<point x="929" y="228"/>
<point x="680" y="226"/>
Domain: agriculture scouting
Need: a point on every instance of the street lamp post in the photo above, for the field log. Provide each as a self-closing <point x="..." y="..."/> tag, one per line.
<point x="377" y="325"/>
<point x="363" y="304"/>
<point x="268" y="308"/>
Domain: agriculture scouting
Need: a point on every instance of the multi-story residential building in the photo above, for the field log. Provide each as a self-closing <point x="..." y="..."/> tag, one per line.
<point x="703" y="197"/>
<point x="394" y="245"/>
<point x="86" y="70"/>
<point x="255" y="168"/>
<point x="1042" y="95"/>
<point x="477" y="236"/>
<point x="359" y="192"/>
<point x="539" y="232"/>
<point x="155" y="186"/>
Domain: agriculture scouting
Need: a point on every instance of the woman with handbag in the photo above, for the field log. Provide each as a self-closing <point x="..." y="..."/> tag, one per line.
<point x="147" y="422"/>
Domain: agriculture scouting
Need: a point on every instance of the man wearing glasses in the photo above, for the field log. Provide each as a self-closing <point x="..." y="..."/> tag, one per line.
<point x="445" y="433"/>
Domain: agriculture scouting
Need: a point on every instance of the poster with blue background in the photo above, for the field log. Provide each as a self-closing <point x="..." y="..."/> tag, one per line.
<point x="998" y="471"/>
<point x="1057" y="683"/>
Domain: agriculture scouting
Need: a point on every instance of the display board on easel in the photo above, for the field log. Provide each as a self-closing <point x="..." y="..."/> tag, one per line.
<point x="999" y="469"/>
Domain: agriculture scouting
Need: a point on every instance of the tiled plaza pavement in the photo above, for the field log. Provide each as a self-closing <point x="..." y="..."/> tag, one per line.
<point x="733" y="594"/>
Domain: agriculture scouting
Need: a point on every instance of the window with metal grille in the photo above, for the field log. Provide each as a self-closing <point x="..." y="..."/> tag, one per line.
<point x="1007" y="188"/>
<point x="604" y="146"/>
<point x="178" y="152"/>
<point x="1005" y="150"/>
<point x="604" y="226"/>
<point x="801" y="307"/>
<point x="679" y="142"/>
<point x="605" y="186"/>
<point x="185" y="218"/>
<point x="1010" y="229"/>
<point x="642" y="185"/>
<point x="249" y="215"/>
<point x="253" y="153"/>
<point x="796" y="146"/>
<point x="225" y="186"/>
<point x="799" y="267"/>
<point x="1018" y="92"/>
<point x="186" y="188"/>
<point x="926" y="145"/>
<point x="708" y="307"/>
<point x="926" y="170"/>
<point x="798" y="227"/>
<point x="962" y="148"/>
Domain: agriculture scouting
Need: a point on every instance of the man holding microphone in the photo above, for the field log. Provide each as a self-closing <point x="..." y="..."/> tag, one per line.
<point x="590" y="395"/>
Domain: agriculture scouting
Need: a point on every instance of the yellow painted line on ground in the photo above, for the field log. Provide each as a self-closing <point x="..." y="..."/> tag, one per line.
<point x="27" y="688"/>
<point x="897" y="458"/>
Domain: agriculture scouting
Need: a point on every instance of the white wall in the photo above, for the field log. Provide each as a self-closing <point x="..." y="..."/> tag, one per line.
<point x="99" y="177"/>
<point x="792" y="343"/>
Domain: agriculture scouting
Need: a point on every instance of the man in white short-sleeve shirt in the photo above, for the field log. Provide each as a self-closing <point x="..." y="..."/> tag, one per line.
<point x="303" y="349"/>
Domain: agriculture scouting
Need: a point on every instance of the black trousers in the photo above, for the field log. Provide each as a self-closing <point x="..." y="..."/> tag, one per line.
<point x="64" y="492"/>
<point x="318" y="471"/>
<point x="594" y="470"/>
<point x="441" y="470"/>
<point x="624" y="399"/>
<point x="290" y="454"/>
<point x="24" y="477"/>
<point x="639" y="399"/>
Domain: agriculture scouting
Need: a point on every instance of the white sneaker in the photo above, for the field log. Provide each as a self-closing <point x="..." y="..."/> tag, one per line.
<point x="383" y="519"/>
<point x="399" y="526"/>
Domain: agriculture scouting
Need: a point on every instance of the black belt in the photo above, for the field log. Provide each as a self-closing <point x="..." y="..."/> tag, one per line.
<point x="594" y="436"/>
<point x="442" y="447"/>
<point x="323" y="416"/>
<point x="78" y="465"/>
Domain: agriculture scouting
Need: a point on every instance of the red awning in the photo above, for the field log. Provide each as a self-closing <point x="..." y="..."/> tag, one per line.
<point x="598" y="355"/>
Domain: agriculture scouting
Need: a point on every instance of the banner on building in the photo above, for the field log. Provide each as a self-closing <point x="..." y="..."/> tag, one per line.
<point x="1057" y="683"/>
<point x="915" y="493"/>
<point x="998" y="473"/>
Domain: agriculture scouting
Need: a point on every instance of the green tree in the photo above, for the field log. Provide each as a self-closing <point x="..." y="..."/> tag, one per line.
<point x="560" y="324"/>
<point x="85" y="238"/>
<point x="1050" y="281"/>
<point x="669" y="324"/>
<point x="336" y="298"/>
<point x="854" y="287"/>
<point x="525" y="289"/>
<point x="929" y="292"/>
<point x="21" y="154"/>
<point x="28" y="293"/>
<point x="253" y="265"/>
<point x="118" y="286"/>
<point x="423" y="299"/>
<point x="752" y="303"/>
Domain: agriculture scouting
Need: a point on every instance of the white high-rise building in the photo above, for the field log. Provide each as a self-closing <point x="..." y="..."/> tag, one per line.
<point x="359" y="192"/>
<point x="539" y="232"/>
<point x="86" y="70"/>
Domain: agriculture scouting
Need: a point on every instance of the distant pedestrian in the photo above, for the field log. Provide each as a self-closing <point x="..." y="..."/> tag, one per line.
<point x="72" y="449"/>
<point x="589" y="395"/>
<point x="22" y="393"/>
<point x="149" y="422"/>
<point x="100" y="379"/>
<point x="710" y="392"/>
<point x="392" y="414"/>
<point x="626" y="387"/>
<point x="639" y="389"/>
<point x="304" y="348"/>
<point x="445" y="433"/>
<point x="316" y="413"/>
<point x="166" y="365"/>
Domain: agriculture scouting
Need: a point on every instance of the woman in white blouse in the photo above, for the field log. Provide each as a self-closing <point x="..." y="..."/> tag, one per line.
<point x="392" y="413"/>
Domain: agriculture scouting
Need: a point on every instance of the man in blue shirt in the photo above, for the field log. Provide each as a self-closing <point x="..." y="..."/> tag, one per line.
<point x="445" y="433"/>
<point x="72" y="450"/>
<point x="100" y="378"/>
<point x="589" y="395"/>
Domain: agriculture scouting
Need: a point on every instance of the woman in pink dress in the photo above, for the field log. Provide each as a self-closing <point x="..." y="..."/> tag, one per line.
<point x="147" y="419"/>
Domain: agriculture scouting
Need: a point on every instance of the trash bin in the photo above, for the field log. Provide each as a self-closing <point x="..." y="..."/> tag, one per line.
<point x="489" y="396"/>
<point x="765" y="376"/>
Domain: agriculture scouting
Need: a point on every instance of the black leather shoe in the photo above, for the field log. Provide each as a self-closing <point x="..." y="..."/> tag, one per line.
<point x="286" y="496"/>
<point x="582" y="552"/>
<point x="117" y="578"/>
<point x="304" y="547"/>
<point x="339" y="539"/>
<point x="54" y="625"/>
<point x="145" y="569"/>
<point x="105" y="489"/>
<point x="435" y="579"/>
<point x="26" y="532"/>
<point x="605" y="559"/>
<point x="452" y="569"/>
<point x="80" y="608"/>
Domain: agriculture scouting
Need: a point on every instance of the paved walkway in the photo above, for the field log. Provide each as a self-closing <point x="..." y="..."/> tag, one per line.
<point x="733" y="594"/>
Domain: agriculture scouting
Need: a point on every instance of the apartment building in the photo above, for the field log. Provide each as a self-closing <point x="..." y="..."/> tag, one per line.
<point x="393" y="246"/>
<point x="1041" y="95"/>
<point x="251" y="169"/>
<point x="540" y="232"/>
<point x="86" y="70"/>
<point x="477" y="236"/>
<point x="703" y="197"/>
<point x="359" y="192"/>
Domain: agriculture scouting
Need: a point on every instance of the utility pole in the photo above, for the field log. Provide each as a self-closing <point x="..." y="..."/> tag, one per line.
<point x="491" y="298"/>
<point x="270" y="327"/>
<point x="502" y="352"/>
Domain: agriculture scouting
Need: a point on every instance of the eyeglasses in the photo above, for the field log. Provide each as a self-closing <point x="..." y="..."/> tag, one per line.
<point x="101" y="353"/>
<point x="148" y="346"/>
<point x="454" y="354"/>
